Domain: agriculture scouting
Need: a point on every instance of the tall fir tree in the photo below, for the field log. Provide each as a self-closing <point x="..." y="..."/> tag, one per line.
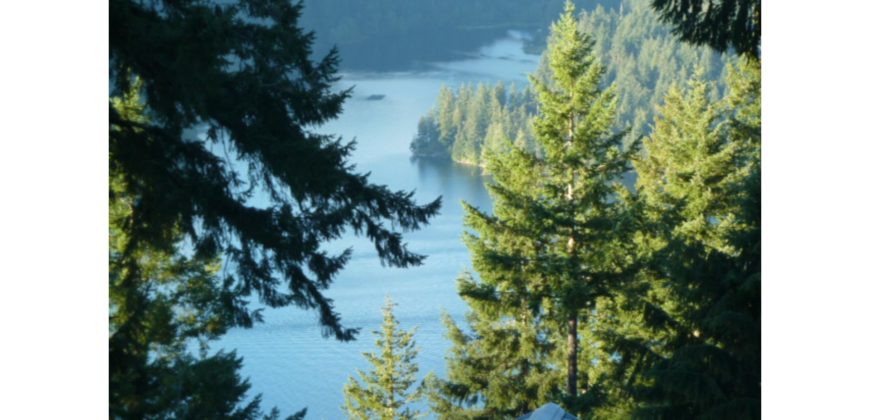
<point x="553" y="243"/>
<point x="223" y="157"/>
<point x="696" y="351"/>
<point x="162" y="301"/>
<point x="503" y="367"/>
<point x="232" y="96"/>
<point x="582" y="165"/>
<point x="446" y="125"/>
<point x="386" y="391"/>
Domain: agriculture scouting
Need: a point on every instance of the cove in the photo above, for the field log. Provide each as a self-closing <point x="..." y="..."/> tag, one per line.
<point x="286" y="358"/>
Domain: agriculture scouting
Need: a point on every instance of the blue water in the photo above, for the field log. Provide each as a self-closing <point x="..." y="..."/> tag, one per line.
<point x="286" y="358"/>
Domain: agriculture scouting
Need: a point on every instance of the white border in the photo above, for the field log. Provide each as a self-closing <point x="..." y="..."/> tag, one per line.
<point x="53" y="216"/>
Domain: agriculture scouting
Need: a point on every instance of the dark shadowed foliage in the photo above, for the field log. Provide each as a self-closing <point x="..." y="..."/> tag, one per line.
<point x="240" y="73"/>
<point x="221" y="160"/>
<point x="721" y="24"/>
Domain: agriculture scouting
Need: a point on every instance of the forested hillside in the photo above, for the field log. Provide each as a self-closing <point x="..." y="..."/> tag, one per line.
<point x="230" y="199"/>
<point x="397" y="34"/>
<point x="641" y="57"/>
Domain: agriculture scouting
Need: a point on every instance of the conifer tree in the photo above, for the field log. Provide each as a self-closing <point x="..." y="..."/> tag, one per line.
<point x="496" y="141"/>
<point x="552" y="246"/>
<point x="582" y="167"/>
<point x="446" y="125"/>
<point x="233" y="96"/>
<point x="470" y="137"/>
<point x="161" y="301"/>
<point x="502" y="368"/>
<point x="697" y="351"/>
<point x="212" y="104"/>
<point x="498" y="95"/>
<point x="386" y="390"/>
<point x="427" y="141"/>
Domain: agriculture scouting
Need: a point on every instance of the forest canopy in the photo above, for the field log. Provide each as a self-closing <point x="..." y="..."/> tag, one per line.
<point x="641" y="57"/>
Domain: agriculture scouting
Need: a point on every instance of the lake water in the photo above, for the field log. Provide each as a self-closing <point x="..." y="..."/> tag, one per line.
<point x="286" y="358"/>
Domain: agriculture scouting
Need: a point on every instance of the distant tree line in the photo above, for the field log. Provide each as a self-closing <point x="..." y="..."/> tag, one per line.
<point x="472" y="119"/>
<point x="398" y="34"/>
<point x="641" y="57"/>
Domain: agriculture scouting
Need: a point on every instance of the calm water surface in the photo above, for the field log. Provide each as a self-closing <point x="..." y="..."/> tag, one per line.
<point x="286" y="358"/>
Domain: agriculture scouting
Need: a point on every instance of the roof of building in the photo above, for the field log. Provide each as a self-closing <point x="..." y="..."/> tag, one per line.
<point x="548" y="411"/>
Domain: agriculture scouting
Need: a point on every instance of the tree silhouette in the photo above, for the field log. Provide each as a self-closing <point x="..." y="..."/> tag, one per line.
<point x="718" y="23"/>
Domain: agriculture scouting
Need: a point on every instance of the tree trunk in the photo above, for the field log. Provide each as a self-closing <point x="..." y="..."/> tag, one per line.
<point x="572" y="355"/>
<point x="572" y="245"/>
